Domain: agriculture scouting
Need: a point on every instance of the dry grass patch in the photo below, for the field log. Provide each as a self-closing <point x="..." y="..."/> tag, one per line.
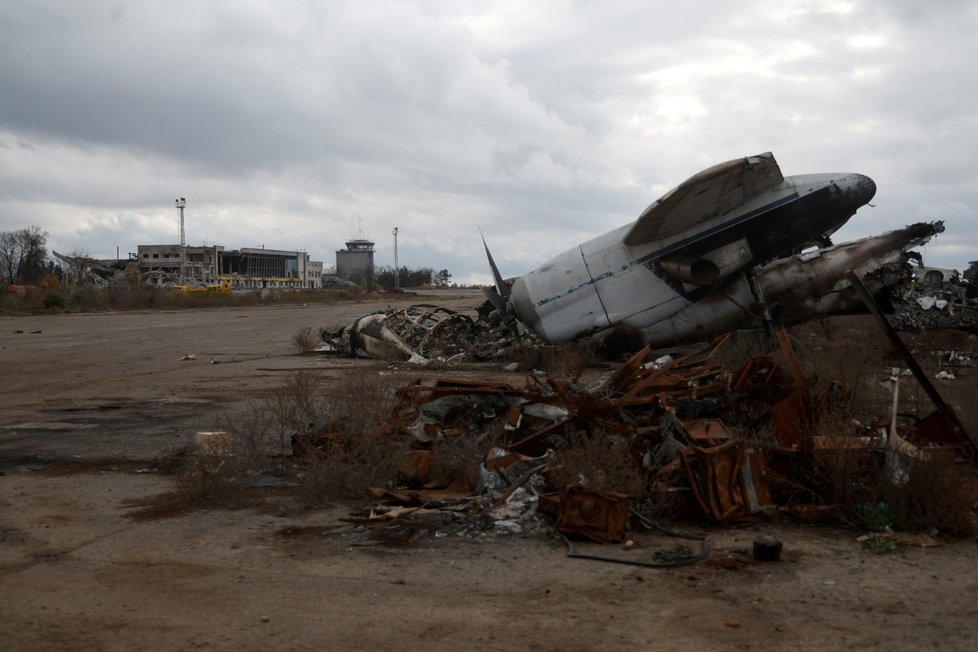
<point x="364" y="450"/>
<point x="304" y="340"/>
<point x="600" y="459"/>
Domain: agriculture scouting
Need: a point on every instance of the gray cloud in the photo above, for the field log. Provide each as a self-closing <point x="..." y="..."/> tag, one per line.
<point x="291" y="123"/>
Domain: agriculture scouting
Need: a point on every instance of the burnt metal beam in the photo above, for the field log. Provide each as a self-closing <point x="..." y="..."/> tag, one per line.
<point x="949" y="416"/>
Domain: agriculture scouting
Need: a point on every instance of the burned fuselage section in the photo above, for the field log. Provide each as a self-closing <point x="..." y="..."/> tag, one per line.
<point x="796" y="289"/>
<point x="419" y="333"/>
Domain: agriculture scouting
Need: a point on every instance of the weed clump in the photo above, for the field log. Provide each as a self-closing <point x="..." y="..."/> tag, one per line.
<point x="359" y="451"/>
<point x="362" y="451"/>
<point x="304" y="340"/>
<point x="600" y="459"/>
<point x="53" y="300"/>
<point x="936" y="494"/>
<point x="882" y="491"/>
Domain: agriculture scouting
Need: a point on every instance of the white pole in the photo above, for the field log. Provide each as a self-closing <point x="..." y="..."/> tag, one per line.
<point x="397" y="270"/>
<point x="181" y="202"/>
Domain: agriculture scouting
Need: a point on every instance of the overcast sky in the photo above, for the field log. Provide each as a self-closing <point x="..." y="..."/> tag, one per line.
<point x="294" y="124"/>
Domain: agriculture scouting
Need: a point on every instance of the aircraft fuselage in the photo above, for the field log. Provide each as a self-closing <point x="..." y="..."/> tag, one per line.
<point x="605" y="282"/>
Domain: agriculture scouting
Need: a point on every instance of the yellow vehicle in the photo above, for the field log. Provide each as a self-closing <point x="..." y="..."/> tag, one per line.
<point x="221" y="288"/>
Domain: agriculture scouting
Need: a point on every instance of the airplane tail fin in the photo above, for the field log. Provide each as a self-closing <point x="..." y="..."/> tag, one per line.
<point x="499" y="295"/>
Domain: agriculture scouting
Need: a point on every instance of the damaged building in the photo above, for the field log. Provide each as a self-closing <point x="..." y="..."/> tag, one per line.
<point x="356" y="262"/>
<point x="245" y="268"/>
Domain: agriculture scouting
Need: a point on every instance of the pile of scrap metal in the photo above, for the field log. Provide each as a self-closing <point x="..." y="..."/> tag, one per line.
<point x="667" y="411"/>
<point x="689" y="424"/>
<point x="421" y="333"/>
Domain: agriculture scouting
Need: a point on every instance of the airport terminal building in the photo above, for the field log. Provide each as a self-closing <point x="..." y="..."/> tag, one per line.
<point x="244" y="268"/>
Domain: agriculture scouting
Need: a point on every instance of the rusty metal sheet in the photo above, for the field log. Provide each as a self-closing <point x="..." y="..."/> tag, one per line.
<point x="457" y="492"/>
<point x="753" y="475"/>
<point x="709" y="431"/>
<point x="762" y="385"/>
<point x="789" y="425"/>
<point x="424" y="393"/>
<point x="801" y="388"/>
<point x="417" y="465"/>
<point x="315" y="446"/>
<point x="728" y="481"/>
<point x="592" y="513"/>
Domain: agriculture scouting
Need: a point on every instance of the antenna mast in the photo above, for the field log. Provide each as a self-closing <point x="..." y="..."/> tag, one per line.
<point x="397" y="269"/>
<point x="181" y="202"/>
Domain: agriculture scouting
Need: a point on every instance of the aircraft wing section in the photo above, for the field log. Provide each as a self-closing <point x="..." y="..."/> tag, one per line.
<point x="705" y="195"/>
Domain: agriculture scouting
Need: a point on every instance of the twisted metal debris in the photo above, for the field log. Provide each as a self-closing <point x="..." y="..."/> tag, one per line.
<point x="682" y="421"/>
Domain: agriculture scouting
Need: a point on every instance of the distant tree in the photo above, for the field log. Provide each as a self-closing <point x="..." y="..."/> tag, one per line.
<point x="416" y="277"/>
<point x="53" y="269"/>
<point x="22" y="255"/>
<point x="408" y="278"/>
<point x="442" y="278"/>
<point x="971" y="274"/>
<point x="384" y="276"/>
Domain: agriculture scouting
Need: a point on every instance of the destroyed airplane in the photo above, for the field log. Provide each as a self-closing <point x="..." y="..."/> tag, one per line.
<point x="694" y="243"/>
<point x="735" y="246"/>
<point x="793" y="290"/>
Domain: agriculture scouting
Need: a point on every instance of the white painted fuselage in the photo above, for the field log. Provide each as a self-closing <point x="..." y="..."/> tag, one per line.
<point x="605" y="282"/>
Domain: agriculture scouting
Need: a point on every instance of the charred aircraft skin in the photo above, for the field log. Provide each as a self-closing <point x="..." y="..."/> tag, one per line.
<point x="683" y="247"/>
<point x="796" y="289"/>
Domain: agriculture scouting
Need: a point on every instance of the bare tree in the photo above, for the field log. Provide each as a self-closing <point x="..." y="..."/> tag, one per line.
<point x="22" y="255"/>
<point x="8" y="256"/>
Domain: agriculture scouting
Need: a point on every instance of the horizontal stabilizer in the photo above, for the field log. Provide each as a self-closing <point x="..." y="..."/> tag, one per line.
<point x="705" y="195"/>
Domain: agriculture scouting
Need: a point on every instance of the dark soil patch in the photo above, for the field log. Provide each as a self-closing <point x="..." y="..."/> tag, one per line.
<point x="216" y="496"/>
<point x="96" y="465"/>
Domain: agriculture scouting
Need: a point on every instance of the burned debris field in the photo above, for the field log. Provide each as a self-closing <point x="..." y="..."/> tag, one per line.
<point x="178" y="479"/>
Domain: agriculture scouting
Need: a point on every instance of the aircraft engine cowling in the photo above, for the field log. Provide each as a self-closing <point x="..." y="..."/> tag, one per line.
<point x="690" y="269"/>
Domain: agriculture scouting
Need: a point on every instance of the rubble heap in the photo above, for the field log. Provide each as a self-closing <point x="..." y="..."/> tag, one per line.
<point x="919" y="298"/>
<point x="724" y="444"/>
<point x="931" y="308"/>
